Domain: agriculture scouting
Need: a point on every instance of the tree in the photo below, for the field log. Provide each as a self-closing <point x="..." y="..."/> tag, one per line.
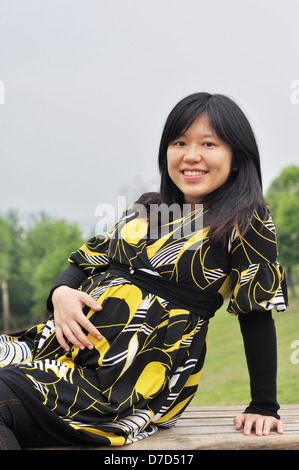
<point x="5" y="247"/>
<point x="30" y="260"/>
<point x="48" y="243"/>
<point x="283" y="197"/>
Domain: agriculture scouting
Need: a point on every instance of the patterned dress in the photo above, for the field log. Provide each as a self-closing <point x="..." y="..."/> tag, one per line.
<point x="145" y="370"/>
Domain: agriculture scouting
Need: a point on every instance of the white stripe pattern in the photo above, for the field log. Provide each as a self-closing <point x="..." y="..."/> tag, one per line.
<point x="270" y="224"/>
<point x="167" y="255"/>
<point x="13" y="351"/>
<point x="278" y="302"/>
<point x="250" y="274"/>
<point x="47" y="330"/>
<point x="233" y="235"/>
<point x="213" y="275"/>
<point x="97" y="259"/>
<point x="100" y="290"/>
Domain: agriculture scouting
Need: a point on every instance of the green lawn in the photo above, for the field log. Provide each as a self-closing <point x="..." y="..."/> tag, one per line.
<point x="224" y="380"/>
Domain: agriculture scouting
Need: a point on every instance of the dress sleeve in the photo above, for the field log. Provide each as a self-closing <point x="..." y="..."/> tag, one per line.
<point x="92" y="257"/>
<point x="258" y="280"/>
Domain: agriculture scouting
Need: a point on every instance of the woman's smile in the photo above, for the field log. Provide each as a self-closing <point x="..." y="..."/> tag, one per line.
<point x="194" y="174"/>
<point x="198" y="161"/>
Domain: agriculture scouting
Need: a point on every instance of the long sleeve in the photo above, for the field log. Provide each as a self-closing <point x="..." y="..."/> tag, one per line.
<point x="258" y="286"/>
<point x="259" y="336"/>
<point x="258" y="280"/>
<point x="90" y="259"/>
<point x="72" y="277"/>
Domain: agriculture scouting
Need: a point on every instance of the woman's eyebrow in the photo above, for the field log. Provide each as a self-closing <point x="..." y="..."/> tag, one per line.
<point x="204" y="136"/>
<point x="209" y="135"/>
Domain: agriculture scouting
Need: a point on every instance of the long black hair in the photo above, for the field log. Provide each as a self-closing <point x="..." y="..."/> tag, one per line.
<point x="242" y="194"/>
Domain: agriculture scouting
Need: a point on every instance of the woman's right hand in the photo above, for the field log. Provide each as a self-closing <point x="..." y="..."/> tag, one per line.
<point x="69" y="317"/>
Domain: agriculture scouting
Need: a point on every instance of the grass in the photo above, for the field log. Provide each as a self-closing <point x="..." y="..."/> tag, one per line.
<point x="225" y="381"/>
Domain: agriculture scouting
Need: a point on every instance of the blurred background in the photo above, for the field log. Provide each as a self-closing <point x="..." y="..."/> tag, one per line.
<point x="85" y="88"/>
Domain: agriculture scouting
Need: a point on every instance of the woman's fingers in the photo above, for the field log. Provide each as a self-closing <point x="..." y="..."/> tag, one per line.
<point x="89" y="301"/>
<point x="74" y="334"/>
<point x="70" y="319"/>
<point x="261" y="424"/>
<point x="238" y="421"/>
<point x="79" y="338"/>
<point x="253" y="422"/>
<point x="60" y="338"/>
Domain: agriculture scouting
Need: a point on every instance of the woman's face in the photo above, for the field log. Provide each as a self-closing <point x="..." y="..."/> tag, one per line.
<point x="198" y="161"/>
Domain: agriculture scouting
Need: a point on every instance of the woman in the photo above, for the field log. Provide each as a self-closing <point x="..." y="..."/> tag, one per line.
<point x="124" y="351"/>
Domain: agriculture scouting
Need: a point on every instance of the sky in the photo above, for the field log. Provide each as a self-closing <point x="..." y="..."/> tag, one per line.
<point x="86" y="87"/>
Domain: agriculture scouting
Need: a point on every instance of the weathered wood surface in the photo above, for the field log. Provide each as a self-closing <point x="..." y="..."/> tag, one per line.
<point x="212" y="428"/>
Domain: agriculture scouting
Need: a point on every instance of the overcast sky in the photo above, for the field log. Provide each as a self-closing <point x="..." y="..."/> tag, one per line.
<point x="89" y="84"/>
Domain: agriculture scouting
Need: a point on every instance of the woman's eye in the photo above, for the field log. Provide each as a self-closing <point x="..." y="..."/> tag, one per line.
<point x="209" y="144"/>
<point x="180" y="143"/>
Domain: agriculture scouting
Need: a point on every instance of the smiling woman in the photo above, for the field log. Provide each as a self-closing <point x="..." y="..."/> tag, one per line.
<point x="199" y="162"/>
<point x="125" y="343"/>
<point x="223" y="129"/>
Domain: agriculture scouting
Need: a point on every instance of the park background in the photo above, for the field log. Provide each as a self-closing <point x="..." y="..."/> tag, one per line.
<point x="85" y="89"/>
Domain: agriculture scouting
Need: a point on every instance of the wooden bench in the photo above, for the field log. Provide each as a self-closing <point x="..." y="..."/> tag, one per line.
<point x="212" y="428"/>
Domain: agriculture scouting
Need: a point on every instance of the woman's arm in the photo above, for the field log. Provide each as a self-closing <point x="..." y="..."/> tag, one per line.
<point x="72" y="276"/>
<point x="259" y="336"/>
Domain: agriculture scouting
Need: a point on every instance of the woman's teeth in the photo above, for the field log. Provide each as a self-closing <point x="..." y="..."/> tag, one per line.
<point x="194" y="173"/>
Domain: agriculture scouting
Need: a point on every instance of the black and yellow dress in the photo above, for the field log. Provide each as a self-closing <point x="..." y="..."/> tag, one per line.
<point x="157" y="294"/>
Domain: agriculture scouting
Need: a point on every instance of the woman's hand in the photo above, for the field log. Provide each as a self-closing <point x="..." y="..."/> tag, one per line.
<point x="261" y="424"/>
<point x="69" y="318"/>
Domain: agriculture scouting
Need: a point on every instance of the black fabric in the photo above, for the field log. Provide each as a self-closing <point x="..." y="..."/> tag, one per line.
<point x="183" y="296"/>
<point x="10" y="408"/>
<point x="259" y="336"/>
<point x="25" y="421"/>
<point x="199" y="303"/>
<point x="18" y="427"/>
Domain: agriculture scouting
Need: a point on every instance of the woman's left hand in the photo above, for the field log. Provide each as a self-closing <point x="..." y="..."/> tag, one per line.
<point x="261" y="424"/>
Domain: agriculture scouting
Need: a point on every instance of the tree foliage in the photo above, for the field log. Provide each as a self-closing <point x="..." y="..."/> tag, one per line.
<point x="48" y="243"/>
<point x="283" y="197"/>
<point x="5" y="264"/>
<point x="30" y="261"/>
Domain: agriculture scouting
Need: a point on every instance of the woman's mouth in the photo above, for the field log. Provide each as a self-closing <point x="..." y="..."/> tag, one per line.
<point x="194" y="173"/>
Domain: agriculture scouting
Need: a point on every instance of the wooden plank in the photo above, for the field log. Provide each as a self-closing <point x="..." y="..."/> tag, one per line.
<point x="212" y="428"/>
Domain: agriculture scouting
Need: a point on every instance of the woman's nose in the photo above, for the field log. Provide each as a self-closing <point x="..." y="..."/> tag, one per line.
<point x="192" y="155"/>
